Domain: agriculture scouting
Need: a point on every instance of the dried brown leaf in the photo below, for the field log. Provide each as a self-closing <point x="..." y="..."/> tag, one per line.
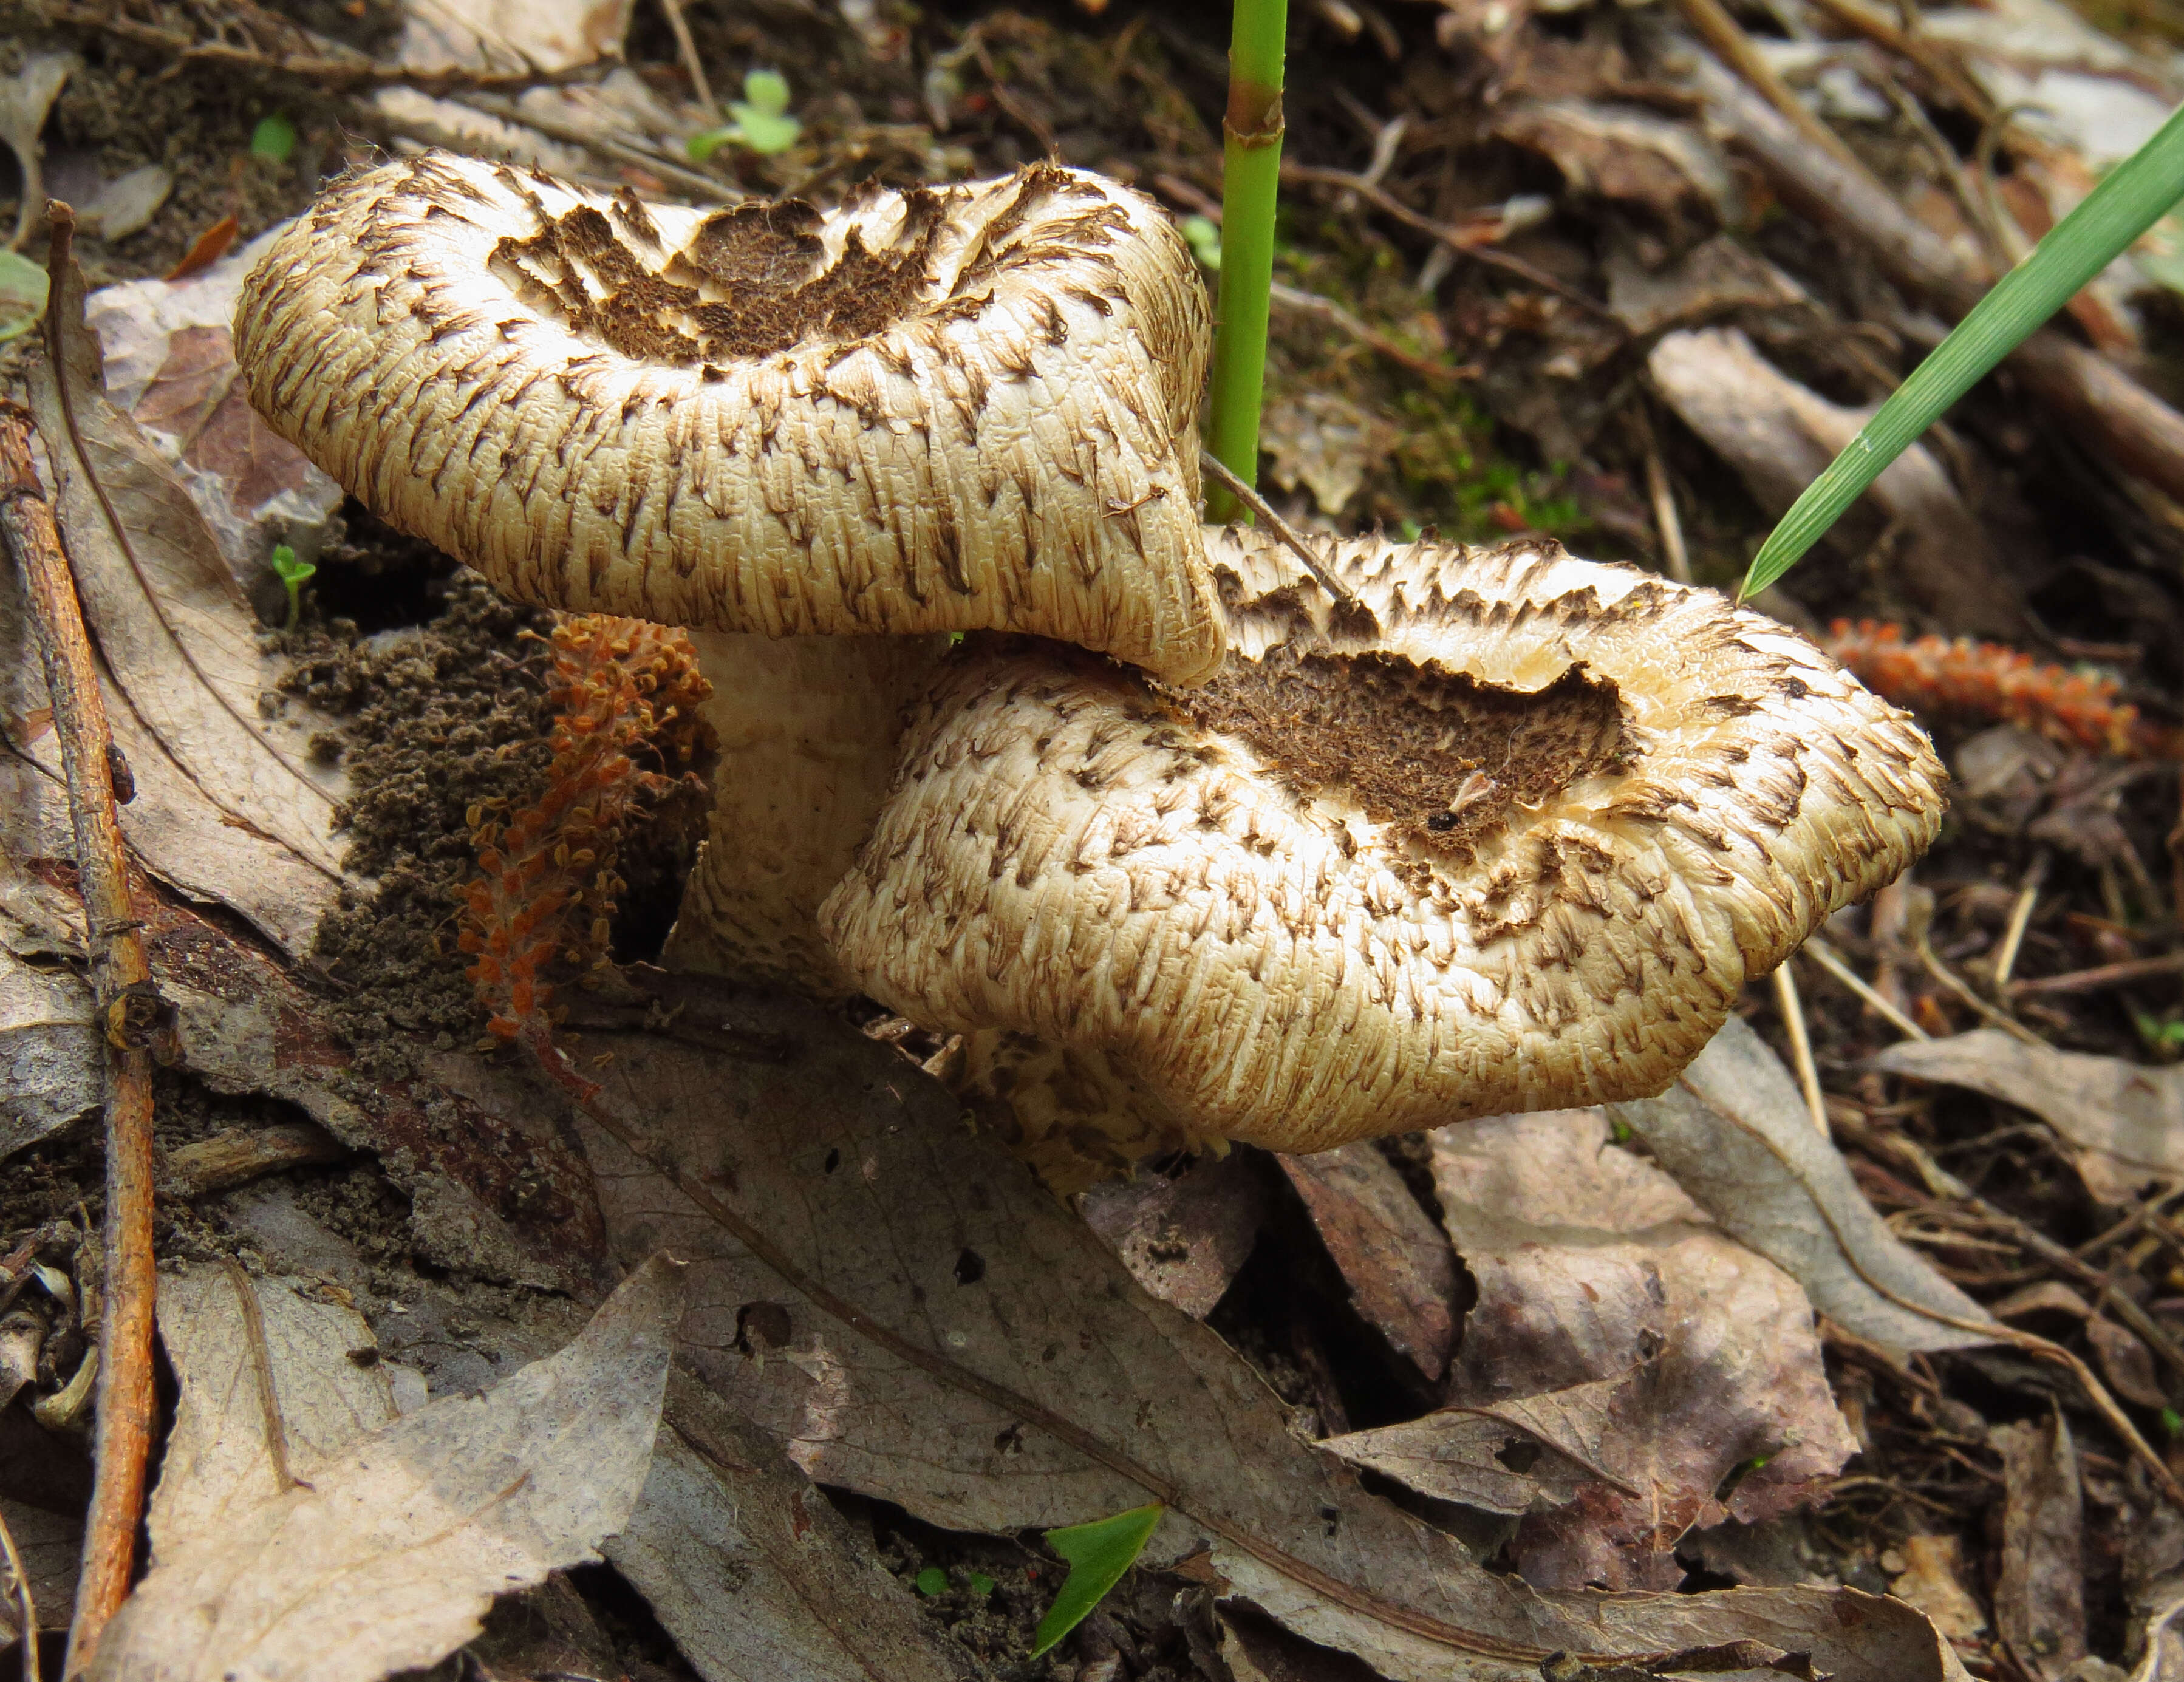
<point x="52" y="1066"/>
<point x="754" y="1574"/>
<point x="1183" y="1237"/>
<point x="1736" y="1134"/>
<point x="1594" y="1267"/>
<point x="1397" y="1263"/>
<point x="180" y="649"/>
<point x="2039" y="1598"/>
<point x="222" y="1459"/>
<point x="389" y="1558"/>
<point x="965" y="1346"/>
<point x="2124" y="1122"/>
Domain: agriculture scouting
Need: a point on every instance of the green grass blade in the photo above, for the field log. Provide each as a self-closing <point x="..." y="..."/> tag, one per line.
<point x="1250" y="183"/>
<point x="1098" y="1553"/>
<point x="2134" y="196"/>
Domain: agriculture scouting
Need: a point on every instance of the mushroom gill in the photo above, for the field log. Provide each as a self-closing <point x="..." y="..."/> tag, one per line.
<point x="1520" y="846"/>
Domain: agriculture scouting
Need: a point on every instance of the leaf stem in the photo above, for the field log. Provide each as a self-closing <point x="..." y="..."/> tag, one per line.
<point x="1251" y="171"/>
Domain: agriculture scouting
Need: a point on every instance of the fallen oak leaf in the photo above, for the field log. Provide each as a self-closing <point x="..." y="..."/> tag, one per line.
<point x="389" y="1559"/>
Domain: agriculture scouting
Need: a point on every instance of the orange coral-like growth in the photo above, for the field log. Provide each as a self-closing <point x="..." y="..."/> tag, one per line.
<point x="622" y="688"/>
<point x="1986" y="680"/>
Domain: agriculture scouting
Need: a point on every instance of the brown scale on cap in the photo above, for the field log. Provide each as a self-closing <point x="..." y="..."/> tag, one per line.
<point x="952" y="408"/>
<point x="1163" y="919"/>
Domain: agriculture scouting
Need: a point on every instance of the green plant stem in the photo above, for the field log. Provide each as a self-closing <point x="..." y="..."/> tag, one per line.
<point x="1250" y="181"/>
<point x="2134" y="196"/>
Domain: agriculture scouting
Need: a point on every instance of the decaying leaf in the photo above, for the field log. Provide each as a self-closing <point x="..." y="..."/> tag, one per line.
<point x="1324" y="442"/>
<point x="52" y="1068"/>
<point x="1593" y="1267"/>
<point x="1712" y="279"/>
<point x="1932" y="1579"/>
<point x="172" y="825"/>
<point x="1397" y="1263"/>
<point x="1009" y="1373"/>
<point x="51" y="1544"/>
<point x="1183" y="1237"/>
<point x="1472" y="1455"/>
<point x="389" y="1558"/>
<point x="174" y="627"/>
<point x="2124" y="1122"/>
<point x="1619" y="152"/>
<point x="1778" y="436"/>
<point x="508" y="35"/>
<point x="170" y="365"/>
<point x="1735" y="1132"/>
<point x="233" y="1448"/>
<point x="756" y="1576"/>
<point x="2039" y="1598"/>
<point x="228" y="805"/>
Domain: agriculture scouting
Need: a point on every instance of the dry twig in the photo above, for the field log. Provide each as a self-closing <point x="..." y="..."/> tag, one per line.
<point x="128" y="1002"/>
<point x="1385" y="201"/>
<point x="1280" y="528"/>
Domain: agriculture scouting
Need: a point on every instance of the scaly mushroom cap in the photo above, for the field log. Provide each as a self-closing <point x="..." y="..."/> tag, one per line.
<point x="943" y="409"/>
<point x="1520" y="846"/>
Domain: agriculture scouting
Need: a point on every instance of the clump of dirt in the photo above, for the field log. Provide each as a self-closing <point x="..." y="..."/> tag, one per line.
<point x="436" y="720"/>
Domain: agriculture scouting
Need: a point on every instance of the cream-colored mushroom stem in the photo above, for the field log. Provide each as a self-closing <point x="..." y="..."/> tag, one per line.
<point x="811" y="729"/>
<point x="946" y="409"/>
<point x="1519" y="847"/>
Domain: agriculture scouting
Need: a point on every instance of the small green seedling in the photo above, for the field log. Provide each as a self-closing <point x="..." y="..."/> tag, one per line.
<point x="1203" y="234"/>
<point x="761" y="116"/>
<point x="2172" y="1422"/>
<point x="294" y="574"/>
<point x="1098" y="1553"/>
<point x="274" y="140"/>
<point x="23" y="289"/>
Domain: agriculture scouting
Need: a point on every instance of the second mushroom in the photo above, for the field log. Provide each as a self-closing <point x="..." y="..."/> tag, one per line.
<point x="1186" y="853"/>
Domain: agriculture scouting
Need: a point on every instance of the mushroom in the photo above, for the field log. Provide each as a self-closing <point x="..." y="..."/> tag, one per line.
<point x="1520" y="846"/>
<point x="1188" y="850"/>
<point x="932" y="411"/>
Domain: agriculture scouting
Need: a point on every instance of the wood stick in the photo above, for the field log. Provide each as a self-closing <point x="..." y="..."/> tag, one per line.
<point x="128" y="1005"/>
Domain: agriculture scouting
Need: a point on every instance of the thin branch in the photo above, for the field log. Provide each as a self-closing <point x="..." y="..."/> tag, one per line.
<point x="128" y="1005"/>
<point x="1722" y="32"/>
<point x="2102" y="976"/>
<point x="1386" y="202"/>
<point x="1302" y="303"/>
<point x="1280" y="528"/>
<point x="686" y="49"/>
<point x="1674" y="554"/>
<point x="1831" y="961"/>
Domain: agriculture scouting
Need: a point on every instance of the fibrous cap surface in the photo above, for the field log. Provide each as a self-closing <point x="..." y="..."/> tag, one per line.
<point x="1519" y="847"/>
<point x="948" y="409"/>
